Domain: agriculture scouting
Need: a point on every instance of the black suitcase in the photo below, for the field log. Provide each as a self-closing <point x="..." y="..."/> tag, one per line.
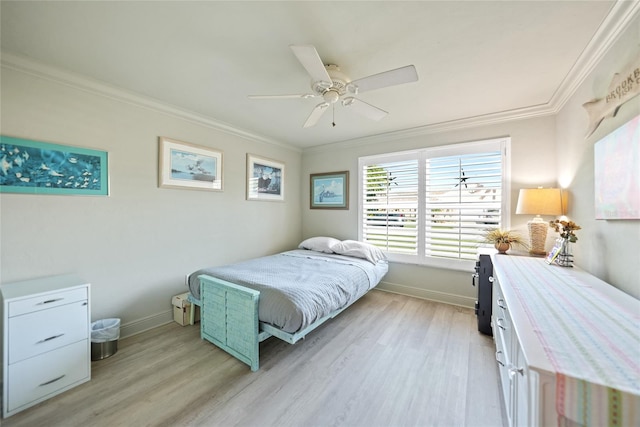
<point x="484" y="278"/>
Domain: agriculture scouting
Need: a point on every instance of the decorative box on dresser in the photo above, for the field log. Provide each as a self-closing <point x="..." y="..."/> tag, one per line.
<point x="567" y="345"/>
<point x="46" y="346"/>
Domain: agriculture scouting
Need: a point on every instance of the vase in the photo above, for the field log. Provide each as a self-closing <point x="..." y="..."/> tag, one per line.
<point x="502" y="247"/>
<point x="565" y="258"/>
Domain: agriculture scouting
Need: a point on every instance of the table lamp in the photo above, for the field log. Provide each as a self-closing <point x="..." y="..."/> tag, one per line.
<point x="539" y="201"/>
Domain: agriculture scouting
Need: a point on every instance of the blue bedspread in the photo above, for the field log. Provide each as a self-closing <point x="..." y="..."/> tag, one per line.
<point x="299" y="287"/>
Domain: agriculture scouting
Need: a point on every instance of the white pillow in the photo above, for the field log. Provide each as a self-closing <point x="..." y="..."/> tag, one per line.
<point x="319" y="244"/>
<point x="359" y="250"/>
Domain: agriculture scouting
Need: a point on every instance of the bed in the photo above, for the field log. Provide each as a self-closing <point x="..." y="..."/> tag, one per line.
<point x="285" y="295"/>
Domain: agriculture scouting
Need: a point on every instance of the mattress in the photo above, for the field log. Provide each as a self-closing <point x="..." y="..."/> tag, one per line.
<point x="300" y="286"/>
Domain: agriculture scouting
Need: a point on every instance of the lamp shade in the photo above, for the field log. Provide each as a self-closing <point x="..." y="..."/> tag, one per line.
<point x="540" y="201"/>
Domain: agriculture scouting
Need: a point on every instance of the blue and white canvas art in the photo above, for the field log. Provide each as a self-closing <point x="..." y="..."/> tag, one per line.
<point x="34" y="167"/>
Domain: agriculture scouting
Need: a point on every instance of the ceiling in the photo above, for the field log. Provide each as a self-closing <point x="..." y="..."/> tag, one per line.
<point x="474" y="59"/>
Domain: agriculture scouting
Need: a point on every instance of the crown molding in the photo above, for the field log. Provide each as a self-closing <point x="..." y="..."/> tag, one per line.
<point x="21" y="64"/>
<point x="469" y="122"/>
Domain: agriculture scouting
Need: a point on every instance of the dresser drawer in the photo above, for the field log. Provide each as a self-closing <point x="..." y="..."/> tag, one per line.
<point x="45" y="330"/>
<point x="502" y="321"/>
<point x="46" y="301"/>
<point x="505" y="330"/>
<point x="46" y="374"/>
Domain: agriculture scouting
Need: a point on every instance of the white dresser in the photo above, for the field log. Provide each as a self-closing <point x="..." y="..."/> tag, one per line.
<point x="46" y="345"/>
<point x="567" y="345"/>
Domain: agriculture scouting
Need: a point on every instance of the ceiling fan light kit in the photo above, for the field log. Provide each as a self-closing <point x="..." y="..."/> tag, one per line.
<point x="331" y="96"/>
<point x="330" y="83"/>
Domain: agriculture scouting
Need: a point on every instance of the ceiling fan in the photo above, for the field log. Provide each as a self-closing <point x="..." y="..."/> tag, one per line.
<point x="330" y="84"/>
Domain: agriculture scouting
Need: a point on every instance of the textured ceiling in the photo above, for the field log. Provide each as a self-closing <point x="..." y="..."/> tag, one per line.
<point x="474" y="59"/>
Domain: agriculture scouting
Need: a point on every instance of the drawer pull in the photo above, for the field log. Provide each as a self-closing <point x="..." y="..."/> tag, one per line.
<point x="52" y="381"/>
<point x="500" y="362"/>
<point x="501" y="304"/>
<point x="49" y="301"/>
<point x="499" y="323"/>
<point x="49" y="339"/>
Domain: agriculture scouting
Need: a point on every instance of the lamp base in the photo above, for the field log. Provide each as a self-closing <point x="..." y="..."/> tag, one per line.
<point x="537" y="236"/>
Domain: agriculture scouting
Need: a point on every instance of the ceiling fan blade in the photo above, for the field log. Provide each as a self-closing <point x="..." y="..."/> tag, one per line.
<point x="310" y="60"/>
<point x="303" y="96"/>
<point x="316" y="114"/>
<point x="364" y="109"/>
<point x="388" y="78"/>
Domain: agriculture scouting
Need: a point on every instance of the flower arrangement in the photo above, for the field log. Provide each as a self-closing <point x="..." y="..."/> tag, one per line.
<point x="566" y="229"/>
<point x="497" y="236"/>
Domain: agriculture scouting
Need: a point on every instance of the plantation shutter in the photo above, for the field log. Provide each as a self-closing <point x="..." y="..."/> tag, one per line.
<point x="463" y="199"/>
<point x="433" y="205"/>
<point x="389" y="204"/>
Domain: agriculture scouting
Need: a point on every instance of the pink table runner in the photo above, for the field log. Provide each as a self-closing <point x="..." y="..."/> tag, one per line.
<point x="592" y="342"/>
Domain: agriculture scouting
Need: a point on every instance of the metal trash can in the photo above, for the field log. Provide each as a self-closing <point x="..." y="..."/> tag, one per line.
<point x="104" y="338"/>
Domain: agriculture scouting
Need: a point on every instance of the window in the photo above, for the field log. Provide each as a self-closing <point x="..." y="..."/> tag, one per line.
<point x="431" y="206"/>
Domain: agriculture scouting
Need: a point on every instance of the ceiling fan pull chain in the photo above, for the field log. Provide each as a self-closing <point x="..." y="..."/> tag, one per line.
<point x="333" y="108"/>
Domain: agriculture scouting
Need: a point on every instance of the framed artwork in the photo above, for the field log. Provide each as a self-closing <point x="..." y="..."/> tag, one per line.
<point x="35" y="167"/>
<point x="329" y="190"/>
<point x="265" y="179"/>
<point x="617" y="173"/>
<point x="184" y="165"/>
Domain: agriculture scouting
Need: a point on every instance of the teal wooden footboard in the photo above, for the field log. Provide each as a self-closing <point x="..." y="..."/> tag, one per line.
<point x="229" y="319"/>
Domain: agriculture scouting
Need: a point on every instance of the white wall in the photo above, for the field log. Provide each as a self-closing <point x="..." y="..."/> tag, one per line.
<point x="607" y="249"/>
<point x="533" y="155"/>
<point x="136" y="245"/>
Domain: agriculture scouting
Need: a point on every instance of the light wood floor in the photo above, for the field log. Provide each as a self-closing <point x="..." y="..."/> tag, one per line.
<point x="389" y="360"/>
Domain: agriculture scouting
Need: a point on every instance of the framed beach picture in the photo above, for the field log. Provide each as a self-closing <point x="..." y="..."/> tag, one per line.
<point x="184" y="165"/>
<point x="265" y="179"/>
<point x="329" y="190"/>
<point x="35" y="167"/>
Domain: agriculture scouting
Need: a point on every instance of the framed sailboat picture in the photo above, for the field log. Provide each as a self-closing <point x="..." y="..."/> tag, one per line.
<point x="189" y="166"/>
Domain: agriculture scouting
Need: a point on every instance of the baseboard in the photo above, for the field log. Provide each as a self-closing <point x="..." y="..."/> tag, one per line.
<point x="444" y="297"/>
<point x="159" y="319"/>
<point x="146" y="323"/>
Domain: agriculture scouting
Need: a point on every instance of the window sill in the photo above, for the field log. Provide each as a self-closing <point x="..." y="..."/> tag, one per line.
<point x="447" y="264"/>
